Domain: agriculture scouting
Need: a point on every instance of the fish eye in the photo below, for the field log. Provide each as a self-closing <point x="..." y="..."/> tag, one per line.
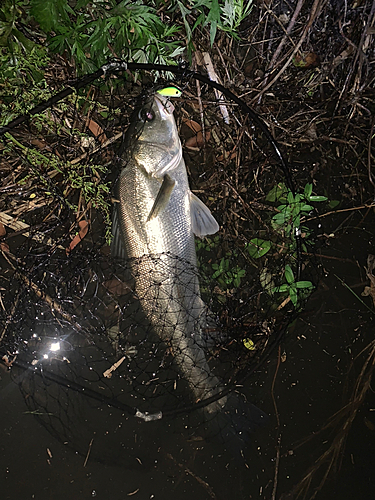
<point x="146" y="115"/>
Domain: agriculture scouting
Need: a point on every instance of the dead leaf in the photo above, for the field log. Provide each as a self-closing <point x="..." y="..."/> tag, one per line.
<point x="4" y="247"/>
<point x="311" y="132"/>
<point x="194" y="126"/>
<point x="227" y="155"/>
<point x="40" y="143"/>
<point x="196" y="142"/>
<point x="84" y="227"/>
<point x="306" y="61"/>
<point x="3" y="231"/>
<point x="97" y="130"/>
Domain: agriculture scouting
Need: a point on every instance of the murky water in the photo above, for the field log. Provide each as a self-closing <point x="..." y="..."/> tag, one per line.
<point x="154" y="460"/>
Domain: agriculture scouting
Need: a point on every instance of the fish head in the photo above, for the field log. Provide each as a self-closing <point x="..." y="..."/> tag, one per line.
<point x="153" y="135"/>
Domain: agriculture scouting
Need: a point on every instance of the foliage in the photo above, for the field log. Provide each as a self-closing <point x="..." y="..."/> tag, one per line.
<point x="287" y="222"/>
<point x="258" y="247"/>
<point x="296" y="290"/>
<point x="226" y="16"/>
<point x="84" y="179"/>
<point x="11" y="37"/>
<point x="227" y="272"/>
<point x="22" y="65"/>
<point x="91" y="33"/>
<point x="293" y="207"/>
<point x="22" y="82"/>
<point x="290" y="210"/>
<point x="228" y="275"/>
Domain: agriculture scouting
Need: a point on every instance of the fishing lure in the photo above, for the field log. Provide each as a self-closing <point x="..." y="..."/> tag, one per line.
<point x="170" y="92"/>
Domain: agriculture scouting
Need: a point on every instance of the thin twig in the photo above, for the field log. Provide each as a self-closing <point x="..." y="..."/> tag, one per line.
<point x="288" y="31"/>
<point x="277" y="463"/>
<point x="273" y="387"/>
<point x="313" y="14"/>
<point x="88" y="453"/>
<point x="205" y="485"/>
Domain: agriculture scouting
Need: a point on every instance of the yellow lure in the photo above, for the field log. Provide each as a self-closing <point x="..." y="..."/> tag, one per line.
<point x="249" y="344"/>
<point x="170" y="92"/>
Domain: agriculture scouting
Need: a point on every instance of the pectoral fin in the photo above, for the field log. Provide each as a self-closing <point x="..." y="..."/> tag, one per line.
<point x="117" y="247"/>
<point x="203" y="222"/>
<point x="162" y="197"/>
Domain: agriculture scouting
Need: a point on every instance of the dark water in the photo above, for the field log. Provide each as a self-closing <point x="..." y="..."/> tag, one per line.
<point x="155" y="460"/>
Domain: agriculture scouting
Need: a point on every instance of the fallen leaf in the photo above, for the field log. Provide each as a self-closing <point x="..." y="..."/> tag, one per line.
<point x="84" y="227"/>
<point x="306" y="61"/>
<point x="4" y="247"/>
<point x="196" y="142"/>
<point x="227" y="155"/>
<point x="40" y="143"/>
<point x="194" y="126"/>
<point x="3" y="231"/>
<point x="97" y="130"/>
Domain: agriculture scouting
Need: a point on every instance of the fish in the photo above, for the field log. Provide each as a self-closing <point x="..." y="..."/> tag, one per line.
<point x="154" y="225"/>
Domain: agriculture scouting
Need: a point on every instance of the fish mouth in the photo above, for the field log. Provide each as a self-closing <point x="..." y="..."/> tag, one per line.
<point x="164" y="105"/>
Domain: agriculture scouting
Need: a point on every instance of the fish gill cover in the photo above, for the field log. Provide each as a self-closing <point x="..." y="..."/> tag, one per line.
<point x="85" y="341"/>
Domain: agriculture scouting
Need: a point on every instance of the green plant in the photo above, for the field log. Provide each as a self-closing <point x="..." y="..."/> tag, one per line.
<point x="296" y="290"/>
<point x="258" y="247"/>
<point x="11" y="38"/>
<point x="287" y="223"/>
<point x="86" y="179"/>
<point x="226" y="16"/>
<point x="208" y="244"/>
<point x="227" y="274"/>
<point x="92" y="32"/>
<point x="288" y="219"/>
<point x="293" y="207"/>
<point x="22" y="64"/>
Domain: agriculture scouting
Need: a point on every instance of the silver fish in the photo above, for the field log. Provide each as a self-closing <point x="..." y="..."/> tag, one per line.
<point x="154" y="225"/>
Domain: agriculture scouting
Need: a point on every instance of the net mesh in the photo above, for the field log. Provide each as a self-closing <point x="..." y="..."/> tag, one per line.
<point x="73" y="326"/>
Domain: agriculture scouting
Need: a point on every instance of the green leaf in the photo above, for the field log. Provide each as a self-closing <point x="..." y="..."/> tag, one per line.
<point x="308" y="190"/>
<point x="334" y="203"/>
<point x="283" y="208"/>
<point x="213" y="29"/>
<point x="249" y="344"/>
<point x="50" y="13"/>
<point x="280" y="219"/>
<point x="281" y="288"/>
<point x="276" y="193"/>
<point x="258" y="247"/>
<point x="293" y="296"/>
<point x="318" y="198"/>
<point x="289" y="276"/>
<point x="307" y="208"/>
<point x="304" y="284"/>
<point x="184" y="12"/>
